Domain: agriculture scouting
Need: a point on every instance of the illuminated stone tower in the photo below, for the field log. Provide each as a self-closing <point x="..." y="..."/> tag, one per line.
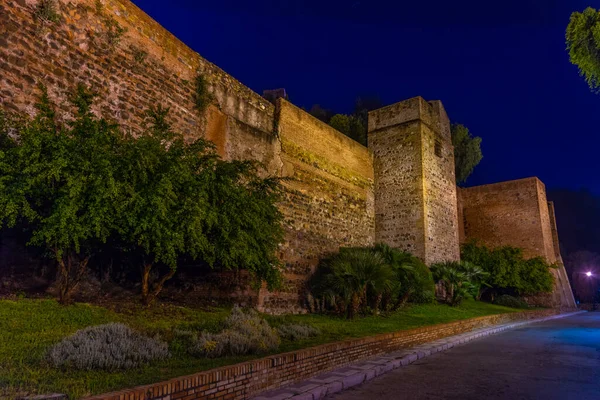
<point x="415" y="190"/>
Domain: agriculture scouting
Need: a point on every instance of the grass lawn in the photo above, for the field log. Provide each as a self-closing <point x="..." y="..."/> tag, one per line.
<point x="29" y="327"/>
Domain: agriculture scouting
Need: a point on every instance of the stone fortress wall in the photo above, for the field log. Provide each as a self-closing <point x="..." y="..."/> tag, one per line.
<point x="399" y="191"/>
<point x="517" y="213"/>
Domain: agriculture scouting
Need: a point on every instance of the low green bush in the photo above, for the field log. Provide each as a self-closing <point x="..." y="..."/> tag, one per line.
<point x="353" y="281"/>
<point x="415" y="282"/>
<point x="509" y="272"/>
<point x="369" y="280"/>
<point x="106" y="347"/>
<point x="246" y="332"/>
<point x="459" y="280"/>
<point x="510" y="301"/>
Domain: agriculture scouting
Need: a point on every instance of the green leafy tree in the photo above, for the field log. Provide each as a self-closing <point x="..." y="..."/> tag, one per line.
<point x="583" y="44"/>
<point x="362" y="106"/>
<point x="321" y="113"/>
<point x="467" y="152"/>
<point x="350" y="126"/>
<point x="182" y="200"/>
<point x="165" y="199"/>
<point x="60" y="180"/>
<point x="73" y="187"/>
<point x="353" y="125"/>
<point x="509" y="272"/>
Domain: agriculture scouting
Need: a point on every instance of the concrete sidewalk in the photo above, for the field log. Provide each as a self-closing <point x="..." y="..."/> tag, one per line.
<point x="356" y="374"/>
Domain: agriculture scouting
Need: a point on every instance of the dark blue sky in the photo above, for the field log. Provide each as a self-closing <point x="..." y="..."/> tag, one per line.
<point x="499" y="67"/>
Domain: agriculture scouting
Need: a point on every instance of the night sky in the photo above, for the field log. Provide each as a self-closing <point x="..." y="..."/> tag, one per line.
<point x="502" y="70"/>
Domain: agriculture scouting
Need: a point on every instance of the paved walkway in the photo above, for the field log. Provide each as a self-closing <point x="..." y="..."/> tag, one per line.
<point x="512" y="365"/>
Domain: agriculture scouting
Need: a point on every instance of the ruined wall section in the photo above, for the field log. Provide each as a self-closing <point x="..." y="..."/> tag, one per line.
<point x="414" y="179"/>
<point x="329" y="200"/>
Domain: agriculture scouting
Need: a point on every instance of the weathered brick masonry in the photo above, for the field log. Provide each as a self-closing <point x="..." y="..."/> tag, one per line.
<point x="329" y="199"/>
<point x="242" y="381"/>
<point x="517" y="213"/>
<point x="399" y="191"/>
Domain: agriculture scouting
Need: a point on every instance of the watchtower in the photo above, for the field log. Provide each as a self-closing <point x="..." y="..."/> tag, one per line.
<point x="415" y="186"/>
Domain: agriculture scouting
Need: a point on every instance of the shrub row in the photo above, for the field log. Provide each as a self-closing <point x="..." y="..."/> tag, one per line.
<point x="116" y="346"/>
<point x="373" y="279"/>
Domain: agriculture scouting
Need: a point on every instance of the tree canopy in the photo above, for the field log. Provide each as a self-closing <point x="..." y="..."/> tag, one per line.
<point x="350" y="126"/>
<point x="467" y="152"/>
<point x="583" y="44"/>
<point x="79" y="187"/>
<point x="353" y="125"/>
<point x="60" y="181"/>
<point x="509" y="272"/>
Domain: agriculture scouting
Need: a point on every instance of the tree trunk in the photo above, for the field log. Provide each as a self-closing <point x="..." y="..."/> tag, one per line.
<point x="377" y="303"/>
<point x="354" y="306"/>
<point x="402" y="300"/>
<point x="149" y="294"/>
<point x="71" y="272"/>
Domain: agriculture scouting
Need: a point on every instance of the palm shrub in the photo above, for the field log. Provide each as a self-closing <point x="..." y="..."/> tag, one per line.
<point x="459" y="280"/>
<point x="477" y="278"/>
<point x="414" y="281"/>
<point x="354" y="279"/>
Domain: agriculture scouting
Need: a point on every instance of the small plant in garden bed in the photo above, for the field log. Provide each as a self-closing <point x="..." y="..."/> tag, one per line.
<point x="459" y="280"/>
<point x="246" y="332"/>
<point x="110" y="346"/>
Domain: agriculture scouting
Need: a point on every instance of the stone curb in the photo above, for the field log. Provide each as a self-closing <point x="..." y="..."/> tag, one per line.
<point x="341" y="379"/>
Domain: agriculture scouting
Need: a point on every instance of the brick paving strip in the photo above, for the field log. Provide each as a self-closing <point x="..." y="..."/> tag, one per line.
<point x="356" y="374"/>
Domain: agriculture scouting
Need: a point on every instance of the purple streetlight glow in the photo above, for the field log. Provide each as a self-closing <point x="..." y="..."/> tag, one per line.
<point x="588" y="273"/>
